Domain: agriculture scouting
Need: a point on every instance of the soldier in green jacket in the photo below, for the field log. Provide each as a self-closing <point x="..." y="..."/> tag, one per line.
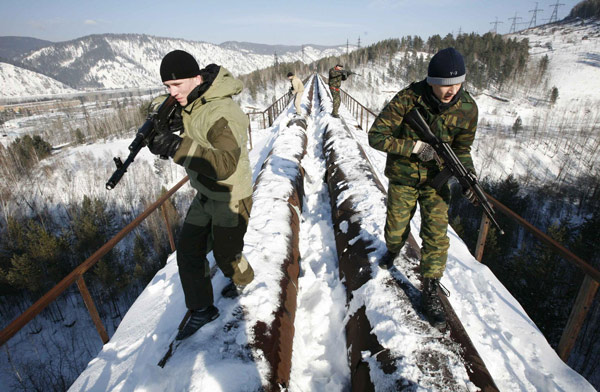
<point x="412" y="164"/>
<point x="212" y="148"/>
<point x="336" y="75"/>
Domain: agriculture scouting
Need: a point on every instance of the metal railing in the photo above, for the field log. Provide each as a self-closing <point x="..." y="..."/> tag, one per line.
<point x="360" y="112"/>
<point x="587" y="291"/>
<point x="76" y="276"/>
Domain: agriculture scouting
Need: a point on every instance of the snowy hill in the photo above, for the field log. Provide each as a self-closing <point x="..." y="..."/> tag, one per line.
<point x="17" y="82"/>
<point x="573" y="48"/>
<point x="131" y="60"/>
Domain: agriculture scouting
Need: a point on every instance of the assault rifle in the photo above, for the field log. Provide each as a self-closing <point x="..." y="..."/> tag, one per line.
<point x="156" y="121"/>
<point x="346" y="74"/>
<point x="452" y="165"/>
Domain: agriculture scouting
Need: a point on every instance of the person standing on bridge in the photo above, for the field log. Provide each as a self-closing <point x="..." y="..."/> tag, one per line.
<point x="336" y="75"/>
<point x="297" y="89"/>
<point x="411" y="166"/>
<point x="212" y="148"/>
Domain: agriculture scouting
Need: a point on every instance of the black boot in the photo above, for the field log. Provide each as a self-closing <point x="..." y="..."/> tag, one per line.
<point x="198" y="319"/>
<point x="431" y="303"/>
<point x="232" y="290"/>
<point x="387" y="261"/>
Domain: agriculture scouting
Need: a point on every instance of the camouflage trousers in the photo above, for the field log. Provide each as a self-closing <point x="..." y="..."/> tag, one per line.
<point x="401" y="206"/>
<point x="220" y="227"/>
<point x="335" y="94"/>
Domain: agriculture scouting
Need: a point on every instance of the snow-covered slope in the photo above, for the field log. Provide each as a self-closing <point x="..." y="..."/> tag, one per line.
<point x="132" y="60"/>
<point x="18" y="81"/>
<point x="573" y="48"/>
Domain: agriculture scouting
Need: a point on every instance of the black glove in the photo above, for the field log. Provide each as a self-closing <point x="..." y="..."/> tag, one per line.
<point x="176" y="122"/>
<point x="164" y="144"/>
<point x="424" y="151"/>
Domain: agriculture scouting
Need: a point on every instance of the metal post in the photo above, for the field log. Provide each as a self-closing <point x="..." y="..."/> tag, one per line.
<point x="483" y="232"/>
<point x="169" y="231"/>
<point x="582" y="305"/>
<point x="91" y="307"/>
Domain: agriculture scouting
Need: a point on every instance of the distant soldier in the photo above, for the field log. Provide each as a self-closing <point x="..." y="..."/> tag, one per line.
<point x="336" y="75"/>
<point x="297" y="89"/>
<point x="212" y="148"/>
<point x="411" y="165"/>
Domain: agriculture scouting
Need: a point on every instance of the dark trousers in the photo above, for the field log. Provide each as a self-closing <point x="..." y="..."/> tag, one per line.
<point x="216" y="226"/>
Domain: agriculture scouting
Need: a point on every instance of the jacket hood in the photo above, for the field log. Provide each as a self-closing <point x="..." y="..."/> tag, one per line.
<point x="218" y="83"/>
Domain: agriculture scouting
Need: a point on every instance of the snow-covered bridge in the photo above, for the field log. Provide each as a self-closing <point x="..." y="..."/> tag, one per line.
<point x="320" y="315"/>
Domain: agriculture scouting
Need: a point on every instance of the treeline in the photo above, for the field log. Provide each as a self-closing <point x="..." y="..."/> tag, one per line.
<point x="585" y="9"/>
<point x="490" y="59"/>
<point x="544" y="283"/>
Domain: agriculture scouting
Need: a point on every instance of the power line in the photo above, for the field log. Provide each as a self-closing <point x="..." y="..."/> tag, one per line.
<point x="496" y="23"/>
<point x="513" y="26"/>
<point x="554" y="16"/>
<point x="535" y="11"/>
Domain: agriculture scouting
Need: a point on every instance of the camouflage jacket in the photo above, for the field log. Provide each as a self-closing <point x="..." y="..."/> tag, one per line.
<point x="336" y="77"/>
<point x="389" y="133"/>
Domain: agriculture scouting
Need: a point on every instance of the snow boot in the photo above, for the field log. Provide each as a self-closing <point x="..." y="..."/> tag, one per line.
<point x="387" y="261"/>
<point x="431" y="303"/>
<point x="198" y="319"/>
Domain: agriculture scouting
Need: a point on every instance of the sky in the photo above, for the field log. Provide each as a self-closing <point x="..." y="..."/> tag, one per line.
<point x="330" y="22"/>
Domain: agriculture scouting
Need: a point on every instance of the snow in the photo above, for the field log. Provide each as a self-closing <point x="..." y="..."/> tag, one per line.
<point x="18" y="81"/>
<point x="217" y="359"/>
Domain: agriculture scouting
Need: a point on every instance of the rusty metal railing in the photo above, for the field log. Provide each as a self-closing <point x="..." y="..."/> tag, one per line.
<point x="587" y="291"/>
<point x="76" y="276"/>
<point x="361" y="113"/>
<point x="358" y="110"/>
<point x="269" y="115"/>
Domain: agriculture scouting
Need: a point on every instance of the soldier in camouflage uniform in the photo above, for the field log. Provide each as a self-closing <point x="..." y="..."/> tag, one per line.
<point x="336" y="75"/>
<point x="212" y="148"/>
<point x="412" y="164"/>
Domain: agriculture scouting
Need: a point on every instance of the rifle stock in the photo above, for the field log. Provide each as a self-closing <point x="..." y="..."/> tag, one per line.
<point x="452" y="165"/>
<point x="158" y="119"/>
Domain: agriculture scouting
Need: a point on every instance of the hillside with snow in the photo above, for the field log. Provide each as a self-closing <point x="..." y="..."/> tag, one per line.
<point x="18" y="82"/>
<point x="113" y="61"/>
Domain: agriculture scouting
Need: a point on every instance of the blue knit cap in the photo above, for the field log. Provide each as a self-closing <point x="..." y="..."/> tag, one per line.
<point x="446" y="67"/>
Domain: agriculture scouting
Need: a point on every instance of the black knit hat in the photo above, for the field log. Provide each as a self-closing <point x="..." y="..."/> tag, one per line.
<point x="446" y="67"/>
<point x="178" y="65"/>
<point x="290" y="74"/>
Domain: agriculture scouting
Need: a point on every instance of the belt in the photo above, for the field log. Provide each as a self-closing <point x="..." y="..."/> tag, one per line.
<point x="334" y="88"/>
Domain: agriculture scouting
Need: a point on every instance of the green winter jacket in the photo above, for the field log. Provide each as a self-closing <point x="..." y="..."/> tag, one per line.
<point x="214" y="146"/>
<point x="389" y="133"/>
